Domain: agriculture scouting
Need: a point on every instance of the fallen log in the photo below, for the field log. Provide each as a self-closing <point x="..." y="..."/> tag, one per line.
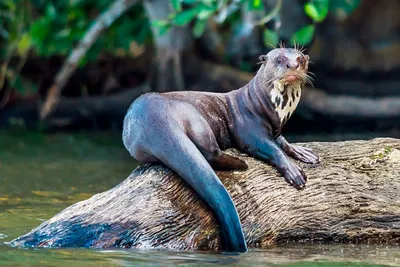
<point x="352" y="196"/>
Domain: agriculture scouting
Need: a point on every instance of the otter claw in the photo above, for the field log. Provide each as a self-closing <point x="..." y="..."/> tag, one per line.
<point x="295" y="176"/>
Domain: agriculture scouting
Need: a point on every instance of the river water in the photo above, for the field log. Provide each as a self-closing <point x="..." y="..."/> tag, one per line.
<point x="40" y="175"/>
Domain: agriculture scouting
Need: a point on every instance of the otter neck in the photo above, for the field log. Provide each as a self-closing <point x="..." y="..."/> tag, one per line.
<point x="273" y="102"/>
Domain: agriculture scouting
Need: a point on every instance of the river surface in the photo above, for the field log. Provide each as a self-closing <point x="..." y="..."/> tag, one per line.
<point x="40" y="175"/>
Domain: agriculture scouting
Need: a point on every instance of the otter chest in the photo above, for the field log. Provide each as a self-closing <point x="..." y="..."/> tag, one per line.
<point x="285" y="100"/>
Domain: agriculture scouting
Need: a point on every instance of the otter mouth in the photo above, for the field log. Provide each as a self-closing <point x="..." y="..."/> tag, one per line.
<point x="292" y="78"/>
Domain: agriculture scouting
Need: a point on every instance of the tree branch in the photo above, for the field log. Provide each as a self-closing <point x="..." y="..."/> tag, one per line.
<point x="70" y="65"/>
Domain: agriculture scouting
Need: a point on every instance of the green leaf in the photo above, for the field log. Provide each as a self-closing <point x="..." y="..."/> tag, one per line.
<point x="185" y="17"/>
<point x="311" y="11"/>
<point x="317" y="10"/>
<point x="176" y="4"/>
<point x="270" y="37"/>
<point x="24" y="44"/>
<point x="255" y="4"/>
<point x="199" y="28"/>
<point x="39" y="29"/>
<point x="204" y="11"/>
<point x="304" y="35"/>
<point x="159" y="23"/>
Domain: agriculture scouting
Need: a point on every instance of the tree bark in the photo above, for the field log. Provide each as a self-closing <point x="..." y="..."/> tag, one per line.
<point x="167" y="69"/>
<point x="352" y="196"/>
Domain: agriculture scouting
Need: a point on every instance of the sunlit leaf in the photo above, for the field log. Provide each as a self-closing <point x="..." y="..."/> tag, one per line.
<point x="255" y="4"/>
<point x="270" y="37"/>
<point x="204" y="12"/>
<point x="317" y="9"/>
<point x="185" y="17"/>
<point x="199" y="27"/>
<point x="304" y="35"/>
<point x="24" y="44"/>
<point x="176" y="4"/>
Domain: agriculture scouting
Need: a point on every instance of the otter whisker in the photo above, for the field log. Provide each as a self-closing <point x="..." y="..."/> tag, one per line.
<point x="309" y="80"/>
<point x="309" y="76"/>
<point x="281" y="45"/>
<point x="311" y="73"/>
<point x="271" y="45"/>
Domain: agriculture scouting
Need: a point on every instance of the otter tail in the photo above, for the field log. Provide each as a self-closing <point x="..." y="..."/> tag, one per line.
<point x="179" y="153"/>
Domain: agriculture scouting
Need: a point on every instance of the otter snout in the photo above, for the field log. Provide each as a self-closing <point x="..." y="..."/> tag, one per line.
<point x="292" y="65"/>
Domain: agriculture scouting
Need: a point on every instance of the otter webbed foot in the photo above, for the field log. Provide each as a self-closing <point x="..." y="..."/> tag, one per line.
<point x="304" y="154"/>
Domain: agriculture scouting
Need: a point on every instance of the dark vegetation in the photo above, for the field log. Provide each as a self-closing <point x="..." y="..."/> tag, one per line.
<point x="209" y="45"/>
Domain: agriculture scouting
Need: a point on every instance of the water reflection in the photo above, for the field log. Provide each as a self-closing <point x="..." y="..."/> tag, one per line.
<point x="302" y="255"/>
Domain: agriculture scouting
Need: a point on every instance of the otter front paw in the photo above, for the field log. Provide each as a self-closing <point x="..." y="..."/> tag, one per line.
<point x="304" y="154"/>
<point x="295" y="176"/>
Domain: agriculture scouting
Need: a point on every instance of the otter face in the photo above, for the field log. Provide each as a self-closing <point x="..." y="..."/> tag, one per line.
<point x="287" y="65"/>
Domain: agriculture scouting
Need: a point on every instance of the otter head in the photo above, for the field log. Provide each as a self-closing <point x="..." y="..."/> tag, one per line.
<point x="285" y="65"/>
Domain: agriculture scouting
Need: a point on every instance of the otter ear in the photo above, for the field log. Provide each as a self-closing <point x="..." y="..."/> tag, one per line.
<point x="307" y="57"/>
<point x="263" y="58"/>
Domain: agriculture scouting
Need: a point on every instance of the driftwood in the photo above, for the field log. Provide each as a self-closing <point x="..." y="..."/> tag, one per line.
<point x="352" y="196"/>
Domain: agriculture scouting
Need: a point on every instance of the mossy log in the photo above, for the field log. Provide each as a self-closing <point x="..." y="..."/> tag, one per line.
<point x="352" y="196"/>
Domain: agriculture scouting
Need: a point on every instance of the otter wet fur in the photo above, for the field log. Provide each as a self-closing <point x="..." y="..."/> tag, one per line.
<point x="188" y="130"/>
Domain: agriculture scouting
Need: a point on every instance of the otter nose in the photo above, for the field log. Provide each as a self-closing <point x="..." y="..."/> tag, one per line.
<point x="292" y="65"/>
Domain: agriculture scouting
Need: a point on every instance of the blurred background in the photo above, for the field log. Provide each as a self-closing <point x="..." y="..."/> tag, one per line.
<point x="78" y="64"/>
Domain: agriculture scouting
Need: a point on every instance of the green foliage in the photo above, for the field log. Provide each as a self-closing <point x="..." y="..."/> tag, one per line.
<point x="53" y="28"/>
<point x="221" y="10"/>
<point x="317" y="10"/>
<point x="177" y="5"/>
<point x="304" y="35"/>
<point x="270" y="37"/>
<point x="59" y="25"/>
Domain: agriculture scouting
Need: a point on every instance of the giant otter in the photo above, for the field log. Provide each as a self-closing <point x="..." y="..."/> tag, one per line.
<point x="187" y="131"/>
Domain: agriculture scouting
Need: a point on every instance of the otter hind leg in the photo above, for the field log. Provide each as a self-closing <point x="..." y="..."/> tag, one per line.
<point x="206" y="142"/>
<point x="225" y="162"/>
